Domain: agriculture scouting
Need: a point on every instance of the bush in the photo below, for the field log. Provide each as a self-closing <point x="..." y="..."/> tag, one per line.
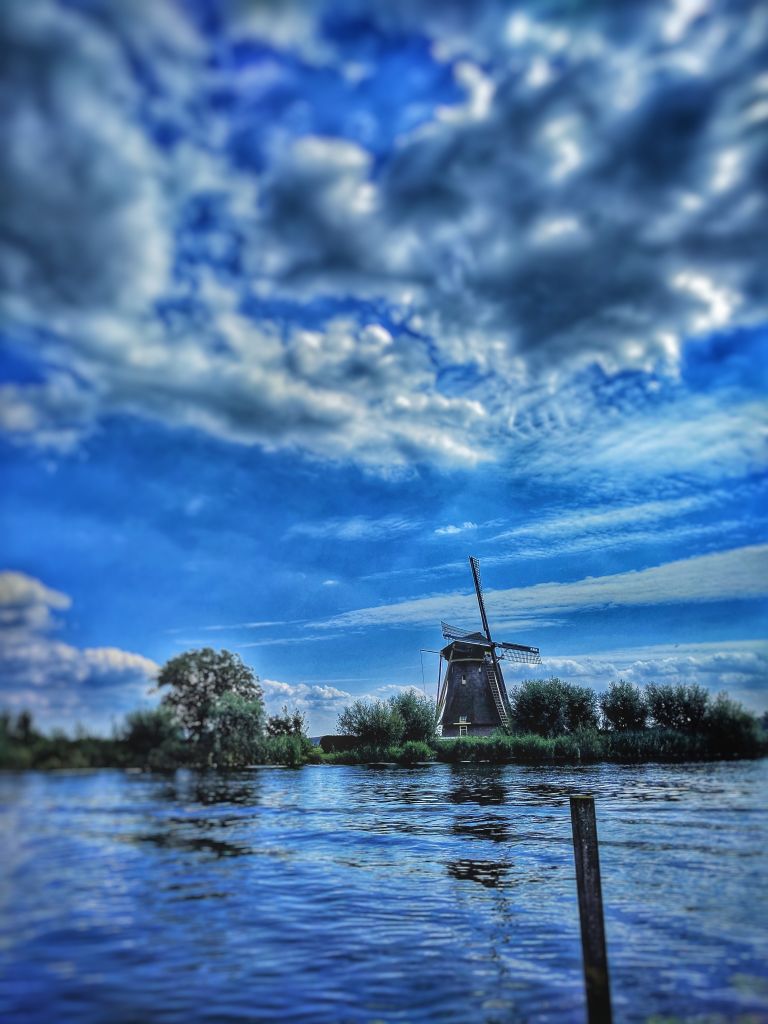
<point x="623" y="706"/>
<point x="413" y="752"/>
<point x="292" y="750"/>
<point x="683" y="707"/>
<point x="551" y="707"/>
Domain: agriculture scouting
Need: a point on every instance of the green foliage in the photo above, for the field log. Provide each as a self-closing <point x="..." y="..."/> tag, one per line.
<point x="374" y="723"/>
<point x="419" y="715"/>
<point x="624" y="707"/>
<point x="195" y="681"/>
<point x="683" y="707"/>
<point x="413" y="752"/>
<point x="287" y="723"/>
<point x="149" y="729"/>
<point x="732" y="731"/>
<point x="552" y="707"/>
<point x="292" y="750"/>
<point x="404" y="717"/>
<point x="235" y="736"/>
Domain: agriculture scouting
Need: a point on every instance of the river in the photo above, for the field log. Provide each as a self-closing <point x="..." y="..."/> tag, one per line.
<point x="337" y="894"/>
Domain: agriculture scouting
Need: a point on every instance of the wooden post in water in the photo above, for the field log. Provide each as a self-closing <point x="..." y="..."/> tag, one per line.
<point x="591" y="909"/>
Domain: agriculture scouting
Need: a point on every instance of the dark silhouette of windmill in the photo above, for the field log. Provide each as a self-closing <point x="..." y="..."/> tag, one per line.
<point x="472" y="698"/>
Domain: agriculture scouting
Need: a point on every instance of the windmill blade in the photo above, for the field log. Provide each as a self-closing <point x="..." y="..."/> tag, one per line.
<point x="454" y="632"/>
<point x="474" y="565"/>
<point x="520" y="654"/>
<point x="518" y="647"/>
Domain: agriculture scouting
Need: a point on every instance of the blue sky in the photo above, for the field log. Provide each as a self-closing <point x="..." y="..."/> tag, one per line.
<point x="304" y="302"/>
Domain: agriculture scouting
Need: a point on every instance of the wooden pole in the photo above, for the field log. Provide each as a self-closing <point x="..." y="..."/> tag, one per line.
<point x="591" y="909"/>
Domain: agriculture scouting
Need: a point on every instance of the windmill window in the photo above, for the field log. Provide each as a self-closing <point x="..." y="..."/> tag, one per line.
<point x="463" y="679"/>
<point x="463" y="719"/>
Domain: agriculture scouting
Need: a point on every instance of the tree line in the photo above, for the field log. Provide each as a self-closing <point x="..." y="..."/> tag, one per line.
<point x="211" y="715"/>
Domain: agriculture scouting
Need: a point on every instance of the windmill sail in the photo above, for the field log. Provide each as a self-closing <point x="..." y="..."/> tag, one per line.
<point x="493" y="668"/>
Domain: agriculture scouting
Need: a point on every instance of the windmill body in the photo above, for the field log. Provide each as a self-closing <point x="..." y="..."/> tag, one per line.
<point x="472" y="697"/>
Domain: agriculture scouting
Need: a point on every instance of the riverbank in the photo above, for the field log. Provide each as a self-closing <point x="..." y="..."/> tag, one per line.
<point x="649" y="746"/>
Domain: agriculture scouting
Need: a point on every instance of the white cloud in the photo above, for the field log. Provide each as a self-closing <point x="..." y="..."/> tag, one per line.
<point x="450" y="530"/>
<point x="496" y="233"/>
<point x="364" y="528"/>
<point x="740" y="667"/>
<point x="741" y="573"/>
<point x="61" y="683"/>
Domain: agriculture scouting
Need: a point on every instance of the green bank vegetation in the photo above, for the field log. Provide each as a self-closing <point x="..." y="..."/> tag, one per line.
<point x="554" y="721"/>
<point x="211" y="715"/>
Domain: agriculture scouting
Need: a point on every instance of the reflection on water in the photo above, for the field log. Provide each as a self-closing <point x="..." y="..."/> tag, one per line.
<point x="344" y="894"/>
<point x="487" y="872"/>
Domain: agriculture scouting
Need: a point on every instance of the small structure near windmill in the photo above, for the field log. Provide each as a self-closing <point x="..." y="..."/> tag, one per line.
<point x="472" y="697"/>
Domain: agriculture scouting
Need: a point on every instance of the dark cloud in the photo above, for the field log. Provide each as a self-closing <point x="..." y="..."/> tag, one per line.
<point x="596" y="200"/>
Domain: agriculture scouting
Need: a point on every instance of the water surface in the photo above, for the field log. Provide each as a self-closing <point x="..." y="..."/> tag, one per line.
<point x="345" y="894"/>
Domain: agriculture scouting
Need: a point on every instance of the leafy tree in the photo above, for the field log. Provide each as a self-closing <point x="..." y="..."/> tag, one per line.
<point x="623" y="706"/>
<point x="373" y="722"/>
<point x="196" y="679"/>
<point x="681" y="707"/>
<point x="287" y="723"/>
<point x="419" y="715"/>
<point x="552" y="707"/>
<point x="236" y="734"/>
<point x="150" y="729"/>
<point x="732" y="730"/>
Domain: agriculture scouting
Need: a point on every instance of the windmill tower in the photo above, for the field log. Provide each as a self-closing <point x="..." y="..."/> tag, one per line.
<point x="472" y="698"/>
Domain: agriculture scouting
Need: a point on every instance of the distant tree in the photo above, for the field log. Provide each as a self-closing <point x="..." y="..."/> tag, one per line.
<point x="287" y="723"/>
<point x="236" y="734"/>
<point x="419" y="715"/>
<point x="149" y="729"/>
<point x="552" y="707"/>
<point x="196" y="679"/>
<point x="682" y="707"/>
<point x="733" y="731"/>
<point x="373" y="722"/>
<point x="623" y="706"/>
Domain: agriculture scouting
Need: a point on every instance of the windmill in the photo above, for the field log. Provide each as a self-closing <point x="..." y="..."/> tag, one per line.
<point x="472" y="698"/>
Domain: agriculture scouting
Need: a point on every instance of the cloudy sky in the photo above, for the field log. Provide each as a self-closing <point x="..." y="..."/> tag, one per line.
<point x="304" y="302"/>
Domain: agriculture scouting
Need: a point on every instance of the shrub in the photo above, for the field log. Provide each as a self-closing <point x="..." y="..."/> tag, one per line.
<point x="681" y="707"/>
<point x="623" y="706"/>
<point x="413" y="752"/>
<point x="552" y="707"/>
<point x="292" y="750"/>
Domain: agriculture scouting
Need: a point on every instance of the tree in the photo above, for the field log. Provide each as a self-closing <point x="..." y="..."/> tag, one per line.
<point x="287" y="723"/>
<point x="196" y="679"/>
<point x="681" y="707"/>
<point x="552" y="707"/>
<point x="149" y="729"/>
<point x="372" y="722"/>
<point x="236" y="736"/>
<point x="418" y="713"/>
<point x="624" y="707"/>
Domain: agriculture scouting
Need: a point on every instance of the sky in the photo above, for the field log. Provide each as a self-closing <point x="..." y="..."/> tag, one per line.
<point x="304" y="302"/>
